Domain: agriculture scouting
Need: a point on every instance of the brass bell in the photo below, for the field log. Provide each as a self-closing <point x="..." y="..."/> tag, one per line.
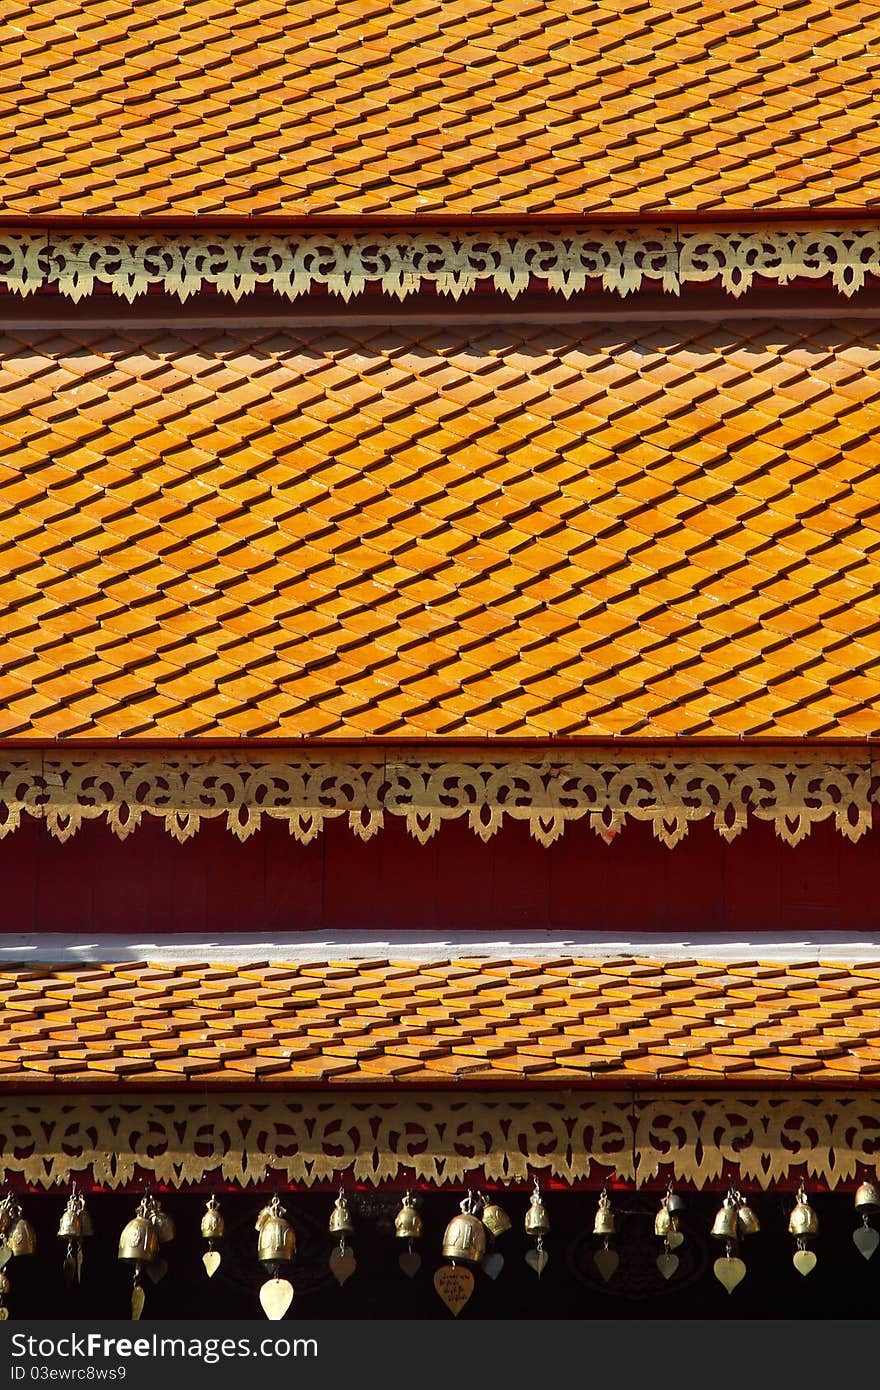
<point x="604" y="1222"/>
<point x="341" y="1223"/>
<point x="212" y="1221"/>
<point x="664" y="1222"/>
<point x="495" y="1219"/>
<point x="22" y="1238"/>
<point x="803" y="1221"/>
<point x="536" y="1222"/>
<point x="674" y="1203"/>
<point x="277" y="1241"/>
<point x="867" y="1197"/>
<point x="726" y="1225"/>
<point x="163" y="1223"/>
<point x="71" y="1226"/>
<point x="465" y="1236"/>
<point x="139" y="1240"/>
<point x="749" y="1225"/>
<point x="407" y="1222"/>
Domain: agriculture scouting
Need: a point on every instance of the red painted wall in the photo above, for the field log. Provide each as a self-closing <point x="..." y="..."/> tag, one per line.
<point x="151" y="884"/>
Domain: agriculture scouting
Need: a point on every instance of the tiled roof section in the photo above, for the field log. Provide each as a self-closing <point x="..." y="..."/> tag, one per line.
<point x="349" y="1023"/>
<point x="415" y="106"/>
<point x="433" y="533"/>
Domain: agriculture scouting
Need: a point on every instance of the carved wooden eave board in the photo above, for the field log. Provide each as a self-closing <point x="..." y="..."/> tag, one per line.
<point x="669" y="791"/>
<point x="440" y="1139"/>
<point x="618" y="259"/>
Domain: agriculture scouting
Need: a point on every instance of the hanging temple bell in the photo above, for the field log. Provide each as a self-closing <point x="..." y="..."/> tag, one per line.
<point x="408" y="1221"/>
<point x="276" y="1240"/>
<point x="341" y="1224"/>
<point x="139" y="1241"/>
<point x="465" y="1236"/>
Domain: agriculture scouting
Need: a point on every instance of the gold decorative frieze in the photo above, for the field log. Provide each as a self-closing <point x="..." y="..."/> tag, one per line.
<point x="617" y="259"/>
<point x="669" y="792"/>
<point x="439" y="1138"/>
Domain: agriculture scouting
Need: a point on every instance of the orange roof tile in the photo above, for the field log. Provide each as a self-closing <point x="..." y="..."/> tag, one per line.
<point x="412" y="106"/>
<point x="366" y="534"/>
<point x="577" y="1021"/>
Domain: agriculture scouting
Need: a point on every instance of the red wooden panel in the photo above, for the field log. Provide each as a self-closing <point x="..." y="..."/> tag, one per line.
<point x="149" y="884"/>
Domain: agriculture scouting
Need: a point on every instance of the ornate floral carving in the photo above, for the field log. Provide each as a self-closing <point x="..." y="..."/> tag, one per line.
<point x="439" y="1139"/>
<point x="669" y="792"/>
<point x="619" y="259"/>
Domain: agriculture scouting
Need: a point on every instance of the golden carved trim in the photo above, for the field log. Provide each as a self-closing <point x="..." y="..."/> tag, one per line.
<point x="669" y="792"/>
<point x="439" y="1139"/>
<point x="619" y="259"/>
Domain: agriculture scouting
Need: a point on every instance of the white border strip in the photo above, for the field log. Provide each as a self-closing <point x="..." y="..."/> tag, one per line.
<point x="290" y="947"/>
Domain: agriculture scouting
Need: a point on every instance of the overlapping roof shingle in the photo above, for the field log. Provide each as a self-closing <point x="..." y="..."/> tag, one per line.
<point x="515" y="531"/>
<point x="564" y="1021"/>
<point x="415" y="106"/>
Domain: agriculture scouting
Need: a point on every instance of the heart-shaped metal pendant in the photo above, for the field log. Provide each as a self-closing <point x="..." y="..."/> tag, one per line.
<point x="68" y="1270"/>
<point x="866" y="1240"/>
<point x="138" y="1298"/>
<point x="729" y="1271"/>
<point x="667" y="1263"/>
<point x="157" y="1269"/>
<point x="674" y="1240"/>
<point x="342" y="1263"/>
<point x="5" y="1255"/>
<point x="276" y="1296"/>
<point x="211" y="1261"/>
<point x="493" y="1264"/>
<point x="455" y="1286"/>
<point x="606" y="1262"/>
<point x="410" y="1262"/>
<point x="4" y="1314"/>
<point x="537" y="1260"/>
<point x="804" y="1261"/>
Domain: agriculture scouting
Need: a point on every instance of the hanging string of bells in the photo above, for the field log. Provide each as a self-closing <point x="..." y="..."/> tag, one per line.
<point x="276" y="1247"/>
<point x="667" y="1225"/>
<point x="733" y="1221"/>
<point x="342" y="1261"/>
<point x="605" y="1259"/>
<point x="75" y="1225"/>
<point x="803" y="1224"/>
<point x="497" y="1224"/>
<point x="537" y="1224"/>
<point x="464" y="1243"/>
<point x="139" y="1244"/>
<point x="867" y="1202"/>
<point x="212" y="1231"/>
<point x="408" y="1227"/>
